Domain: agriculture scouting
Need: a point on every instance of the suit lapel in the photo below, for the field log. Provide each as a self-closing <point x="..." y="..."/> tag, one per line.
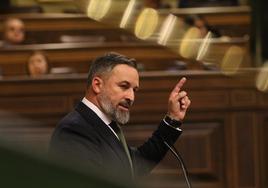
<point x="103" y="131"/>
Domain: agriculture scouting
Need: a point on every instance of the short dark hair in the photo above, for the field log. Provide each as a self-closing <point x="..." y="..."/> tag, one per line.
<point x="105" y="64"/>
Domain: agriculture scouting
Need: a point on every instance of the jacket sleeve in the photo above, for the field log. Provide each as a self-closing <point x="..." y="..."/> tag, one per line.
<point x="148" y="155"/>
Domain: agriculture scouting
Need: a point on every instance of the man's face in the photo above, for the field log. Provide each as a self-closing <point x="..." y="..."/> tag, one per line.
<point x="118" y="92"/>
<point x="14" y="32"/>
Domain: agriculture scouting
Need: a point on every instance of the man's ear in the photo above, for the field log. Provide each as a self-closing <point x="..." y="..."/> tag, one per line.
<point x="97" y="84"/>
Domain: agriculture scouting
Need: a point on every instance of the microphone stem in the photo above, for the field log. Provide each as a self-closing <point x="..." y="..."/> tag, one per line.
<point x="182" y="164"/>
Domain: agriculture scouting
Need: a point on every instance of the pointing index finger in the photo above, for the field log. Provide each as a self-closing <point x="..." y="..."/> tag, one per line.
<point x="179" y="85"/>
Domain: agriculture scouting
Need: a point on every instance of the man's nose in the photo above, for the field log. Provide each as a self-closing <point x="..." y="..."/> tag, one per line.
<point x="131" y="95"/>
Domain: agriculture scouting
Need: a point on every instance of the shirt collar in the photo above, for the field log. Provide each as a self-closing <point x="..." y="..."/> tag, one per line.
<point x="99" y="113"/>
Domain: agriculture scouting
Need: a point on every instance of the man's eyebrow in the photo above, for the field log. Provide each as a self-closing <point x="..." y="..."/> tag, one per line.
<point x="128" y="83"/>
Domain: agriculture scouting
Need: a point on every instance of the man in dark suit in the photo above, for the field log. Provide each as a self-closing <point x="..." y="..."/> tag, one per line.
<point x="91" y="133"/>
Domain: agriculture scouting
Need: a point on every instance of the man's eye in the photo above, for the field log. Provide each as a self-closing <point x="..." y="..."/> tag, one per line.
<point x="124" y="86"/>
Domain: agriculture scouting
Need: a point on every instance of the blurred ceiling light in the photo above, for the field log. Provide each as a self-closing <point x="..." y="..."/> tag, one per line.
<point x="204" y="46"/>
<point x="97" y="9"/>
<point x="167" y="29"/>
<point x="232" y="60"/>
<point x="190" y="43"/>
<point x="262" y="78"/>
<point x="128" y="13"/>
<point x="146" y="23"/>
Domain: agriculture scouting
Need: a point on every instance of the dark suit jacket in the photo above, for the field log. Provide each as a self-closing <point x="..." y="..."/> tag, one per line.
<point x="82" y="136"/>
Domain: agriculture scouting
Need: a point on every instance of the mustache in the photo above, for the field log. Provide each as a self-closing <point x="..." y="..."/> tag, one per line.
<point x="127" y="103"/>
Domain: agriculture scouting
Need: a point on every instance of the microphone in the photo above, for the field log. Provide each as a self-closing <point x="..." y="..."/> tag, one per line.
<point x="182" y="164"/>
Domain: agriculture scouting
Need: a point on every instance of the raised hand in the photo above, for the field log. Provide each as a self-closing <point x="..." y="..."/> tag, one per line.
<point x="178" y="102"/>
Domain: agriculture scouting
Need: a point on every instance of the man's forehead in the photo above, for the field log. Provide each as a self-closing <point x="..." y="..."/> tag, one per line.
<point x="123" y="69"/>
<point x="126" y="73"/>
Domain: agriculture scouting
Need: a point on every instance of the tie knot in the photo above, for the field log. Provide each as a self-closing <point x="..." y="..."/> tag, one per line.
<point x="115" y="127"/>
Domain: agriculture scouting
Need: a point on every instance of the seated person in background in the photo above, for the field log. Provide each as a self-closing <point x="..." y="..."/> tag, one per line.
<point x="201" y="23"/>
<point x="37" y="64"/>
<point x="13" y="32"/>
<point x="156" y="4"/>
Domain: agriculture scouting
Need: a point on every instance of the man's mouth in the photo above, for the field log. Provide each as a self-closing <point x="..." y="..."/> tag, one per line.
<point x="125" y="106"/>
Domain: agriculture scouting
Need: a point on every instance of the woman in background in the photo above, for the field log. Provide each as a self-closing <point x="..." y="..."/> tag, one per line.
<point x="37" y="64"/>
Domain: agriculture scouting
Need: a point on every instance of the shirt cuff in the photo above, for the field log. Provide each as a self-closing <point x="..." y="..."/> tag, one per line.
<point x="172" y="126"/>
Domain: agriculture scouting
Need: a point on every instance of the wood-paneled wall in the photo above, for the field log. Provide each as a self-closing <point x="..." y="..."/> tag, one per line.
<point x="224" y="134"/>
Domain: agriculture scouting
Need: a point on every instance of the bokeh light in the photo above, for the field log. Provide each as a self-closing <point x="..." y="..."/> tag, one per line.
<point x="204" y="47"/>
<point x="262" y="78"/>
<point x="166" y="29"/>
<point x="190" y="43"/>
<point x="128" y="14"/>
<point x="232" y="60"/>
<point x="98" y="9"/>
<point x="146" y="23"/>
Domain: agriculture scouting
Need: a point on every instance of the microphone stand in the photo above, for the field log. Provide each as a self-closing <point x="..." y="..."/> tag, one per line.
<point x="182" y="164"/>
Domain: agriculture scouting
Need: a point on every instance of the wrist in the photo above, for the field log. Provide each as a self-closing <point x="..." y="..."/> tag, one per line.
<point x="173" y="117"/>
<point x="172" y="121"/>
